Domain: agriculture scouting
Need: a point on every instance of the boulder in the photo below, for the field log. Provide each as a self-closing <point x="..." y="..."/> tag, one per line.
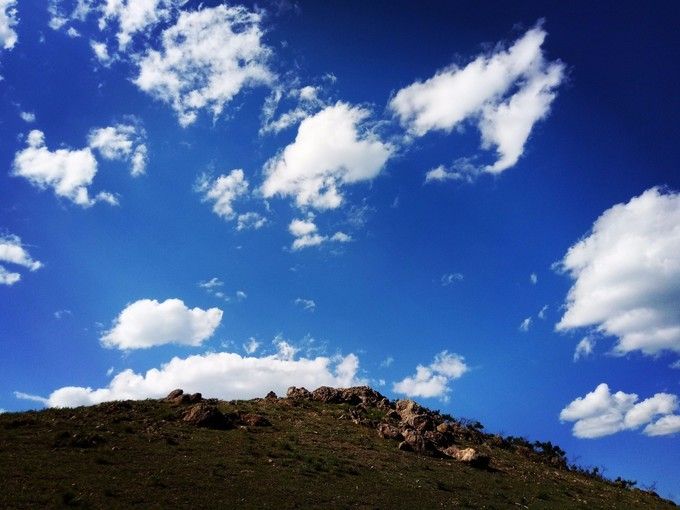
<point x="271" y="396"/>
<point x="195" y="398"/>
<point x="414" y="440"/>
<point x="206" y="415"/>
<point x="469" y="456"/>
<point x="174" y="394"/>
<point x="298" y="393"/>
<point x="387" y="431"/>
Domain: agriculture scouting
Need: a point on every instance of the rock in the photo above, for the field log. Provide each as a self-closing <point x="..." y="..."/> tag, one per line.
<point x="254" y="420"/>
<point x="443" y="428"/>
<point x="415" y="440"/>
<point x="195" y="398"/>
<point x="327" y="395"/>
<point x="206" y="415"/>
<point x="387" y="431"/>
<point x="174" y="394"/>
<point x="271" y="396"/>
<point x="357" y="395"/>
<point x="298" y="393"/>
<point x="408" y="408"/>
<point x="469" y="456"/>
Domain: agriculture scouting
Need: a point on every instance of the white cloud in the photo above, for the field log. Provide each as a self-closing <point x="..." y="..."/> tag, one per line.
<point x="207" y="57"/>
<point x="223" y="375"/>
<point x="28" y="117"/>
<point x="433" y="380"/>
<point x="441" y="173"/>
<point x="241" y="295"/>
<point x="307" y="103"/>
<point x="601" y="413"/>
<point x="121" y="142"/>
<point x="533" y="278"/>
<point x="68" y="172"/>
<point x="147" y="323"/>
<point x="664" y="426"/>
<point x="341" y="237"/>
<point x="525" y="325"/>
<point x="223" y="191"/>
<point x="332" y="149"/>
<point x="505" y="93"/>
<point x="450" y="278"/>
<point x="134" y="16"/>
<point x="101" y="52"/>
<point x="251" y="345"/>
<point x="626" y="274"/>
<point x="60" y="314"/>
<point x="306" y="234"/>
<point x="13" y="252"/>
<point x="211" y="284"/>
<point x="306" y="304"/>
<point x="250" y="221"/>
<point x="584" y="348"/>
<point x="72" y="33"/>
<point x="8" y="20"/>
<point x="387" y="362"/>
<point x="542" y="312"/>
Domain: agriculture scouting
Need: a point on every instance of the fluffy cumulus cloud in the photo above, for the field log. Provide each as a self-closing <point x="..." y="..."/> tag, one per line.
<point x="433" y="380"/>
<point x="8" y="20"/>
<point x="148" y="323"/>
<point x="223" y="191"/>
<point x="13" y="252"/>
<point x="121" y="142"/>
<point x="123" y="18"/>
<point x="332" y="148"/>
<point x="134" y="16"/>
<point x="206" y="58"/>
<point x="626" y="274"/>
<point x="306" y="234"/>
<point x="504" y="94"/>
<point x="222" y="375"/>
<point x="68" y="172"/>
<point x="601" y="413"/>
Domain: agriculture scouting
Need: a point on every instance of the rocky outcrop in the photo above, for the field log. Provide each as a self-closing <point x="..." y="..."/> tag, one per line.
<point x="387" y="431"/>
<point x="179" y="397"/>
<point x="294" y="393"/>
<point x="208" y="416"/>
<point x="357" y="395"/>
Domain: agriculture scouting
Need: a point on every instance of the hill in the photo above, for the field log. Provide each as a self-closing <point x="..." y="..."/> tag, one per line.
<point x="333" y="448"/>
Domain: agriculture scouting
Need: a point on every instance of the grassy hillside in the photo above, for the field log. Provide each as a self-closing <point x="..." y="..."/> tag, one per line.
<point x="277" y="453"/>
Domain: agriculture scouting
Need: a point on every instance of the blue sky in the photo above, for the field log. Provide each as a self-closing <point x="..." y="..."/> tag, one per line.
<point x="476" y="207"/>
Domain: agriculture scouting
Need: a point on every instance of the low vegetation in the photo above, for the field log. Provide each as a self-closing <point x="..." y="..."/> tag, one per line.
<point x="310" y="450"/>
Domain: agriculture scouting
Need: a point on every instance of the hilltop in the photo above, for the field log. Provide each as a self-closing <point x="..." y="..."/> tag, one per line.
<point x="331" y="448"/>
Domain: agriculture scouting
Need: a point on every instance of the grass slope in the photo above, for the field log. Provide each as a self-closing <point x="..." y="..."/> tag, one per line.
<point x="140" y="454"/>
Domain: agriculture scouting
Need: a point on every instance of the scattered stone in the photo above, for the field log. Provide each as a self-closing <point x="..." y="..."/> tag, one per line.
<point x="469" y="456"/>
<point x="206" y="415"/>
<point x="254" y="420"/>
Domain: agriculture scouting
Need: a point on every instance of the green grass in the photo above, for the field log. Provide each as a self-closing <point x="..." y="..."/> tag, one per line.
<point x="139" y="454"/>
